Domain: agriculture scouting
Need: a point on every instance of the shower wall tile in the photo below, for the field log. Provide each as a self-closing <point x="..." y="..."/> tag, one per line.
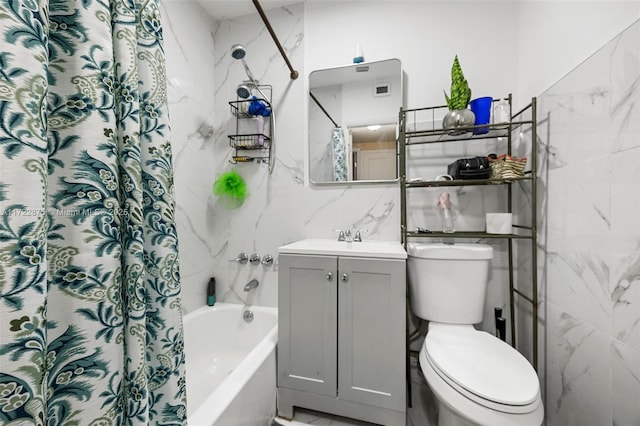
<point x="625" y="90"/>
<point x="625" y="292"/>
<point x="591" y="237"/>
<point x="625" y="235"/>
<point x="190" y="88"/>
<point x="578" y="372"/>
<point x="625" y="364"/>
<point x="578" y="114"/>
<point x="625" y="193"/>
<point x="272" y="213"/>
<point x="578" y="277"/>
<point x="195" y="244"/>
<point x="578" y="198"/>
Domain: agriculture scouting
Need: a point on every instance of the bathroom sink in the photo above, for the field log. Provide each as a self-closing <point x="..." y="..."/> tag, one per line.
<point x="372" y="248"/>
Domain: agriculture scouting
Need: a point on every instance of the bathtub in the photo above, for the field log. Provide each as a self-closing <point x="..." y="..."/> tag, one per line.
<point x="231" y="365"/>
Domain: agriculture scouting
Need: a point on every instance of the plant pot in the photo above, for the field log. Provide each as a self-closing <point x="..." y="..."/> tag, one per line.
<point x="458" y="119"/>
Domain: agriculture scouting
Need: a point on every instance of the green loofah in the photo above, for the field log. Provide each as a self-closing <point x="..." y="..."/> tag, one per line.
<point x="231" y="186"/>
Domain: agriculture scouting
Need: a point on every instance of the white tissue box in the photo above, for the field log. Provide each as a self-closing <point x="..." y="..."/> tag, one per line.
<point x="499" y="223"/>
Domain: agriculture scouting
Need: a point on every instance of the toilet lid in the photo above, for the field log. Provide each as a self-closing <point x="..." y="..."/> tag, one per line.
<point x="482" y="365"/>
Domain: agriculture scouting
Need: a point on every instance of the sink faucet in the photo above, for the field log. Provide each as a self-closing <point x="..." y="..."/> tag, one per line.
<point x="358" y="236"/>
<point x="251" y="285"/>
<point x="346" y="235"/>
<point x="343" y="235"/>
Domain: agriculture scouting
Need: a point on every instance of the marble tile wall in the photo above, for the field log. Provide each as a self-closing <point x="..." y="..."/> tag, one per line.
<point x="189" y="47"/>
<point x="591" y="226"/>
<point x="281" y="207"/>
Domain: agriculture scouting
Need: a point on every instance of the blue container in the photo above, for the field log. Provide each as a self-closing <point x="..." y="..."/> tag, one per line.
<point x="481" y="107"/>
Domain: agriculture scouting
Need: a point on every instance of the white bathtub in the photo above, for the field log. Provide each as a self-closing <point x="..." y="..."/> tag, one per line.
<point x="231" y="365"/>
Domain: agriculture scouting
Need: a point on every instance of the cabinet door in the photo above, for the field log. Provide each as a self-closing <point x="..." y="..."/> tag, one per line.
<point x="371" y="333"/>
<point x="307" y="323"/>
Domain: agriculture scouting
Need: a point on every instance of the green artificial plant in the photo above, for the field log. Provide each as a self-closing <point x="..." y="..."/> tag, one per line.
<point x="460" y="91"/>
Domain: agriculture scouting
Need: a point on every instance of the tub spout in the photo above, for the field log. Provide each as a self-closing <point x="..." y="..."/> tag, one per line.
<point x="251" y="285"/>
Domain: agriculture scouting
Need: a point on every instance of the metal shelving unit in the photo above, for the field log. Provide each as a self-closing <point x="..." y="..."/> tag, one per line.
<point x="410" y="134"/>
<point x="249" y="145"/>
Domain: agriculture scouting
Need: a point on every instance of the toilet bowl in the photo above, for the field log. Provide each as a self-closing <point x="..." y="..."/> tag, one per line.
<point x="476" y="378"/>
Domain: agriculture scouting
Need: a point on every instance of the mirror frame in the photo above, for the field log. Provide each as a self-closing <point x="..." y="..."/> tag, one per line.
<point x="395" y="121"/>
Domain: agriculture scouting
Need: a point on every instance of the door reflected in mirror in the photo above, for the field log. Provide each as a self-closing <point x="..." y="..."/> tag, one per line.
<point x="373" y="152"/>
<point x="353" y="113"/>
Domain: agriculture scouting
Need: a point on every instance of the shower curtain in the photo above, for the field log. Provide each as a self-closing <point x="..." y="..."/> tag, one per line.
<point x="90" y="314"/>
<point x="339" y="154"/>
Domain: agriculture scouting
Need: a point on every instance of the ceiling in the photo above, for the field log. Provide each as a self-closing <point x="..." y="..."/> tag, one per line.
<point x="225" y="9"/>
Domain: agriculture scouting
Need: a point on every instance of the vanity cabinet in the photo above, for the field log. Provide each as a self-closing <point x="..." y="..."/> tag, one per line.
<point x="341" y="341"/>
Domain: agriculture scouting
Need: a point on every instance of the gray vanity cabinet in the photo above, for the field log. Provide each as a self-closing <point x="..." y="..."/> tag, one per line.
<point x="341" y="336"/>
<point x="307" y="325"/>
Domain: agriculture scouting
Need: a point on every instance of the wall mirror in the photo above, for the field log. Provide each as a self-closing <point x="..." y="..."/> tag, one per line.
<point x="353" y="115"/>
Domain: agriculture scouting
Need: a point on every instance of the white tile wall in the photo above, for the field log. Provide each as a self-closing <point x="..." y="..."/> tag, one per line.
<point x="591" y="252"/>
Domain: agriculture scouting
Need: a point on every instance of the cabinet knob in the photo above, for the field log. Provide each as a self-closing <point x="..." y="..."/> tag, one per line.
<point x="329" y="276"/>
<point x="345" y="277"/>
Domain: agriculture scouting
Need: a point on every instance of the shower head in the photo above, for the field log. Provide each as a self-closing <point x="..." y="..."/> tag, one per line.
<point x="237" y="51"/>
<point x="243" y="91"/>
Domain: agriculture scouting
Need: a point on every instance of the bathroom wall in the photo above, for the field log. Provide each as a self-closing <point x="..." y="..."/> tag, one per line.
<point x="589" y="135"/>
<point x="281" y="208"/>
<point x="304" y="210"/>
<point x="189" y="47"/>
<point x="555" y="36"/>
<point x="586" y="253"/>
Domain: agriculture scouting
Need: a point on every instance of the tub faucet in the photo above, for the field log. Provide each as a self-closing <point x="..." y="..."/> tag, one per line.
<point x="251" y="285"/>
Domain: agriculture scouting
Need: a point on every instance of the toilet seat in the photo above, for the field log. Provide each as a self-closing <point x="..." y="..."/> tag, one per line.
<point x="482" y="368"/>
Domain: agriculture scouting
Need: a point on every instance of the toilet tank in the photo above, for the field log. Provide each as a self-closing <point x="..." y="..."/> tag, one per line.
<point x="448" y="282"/>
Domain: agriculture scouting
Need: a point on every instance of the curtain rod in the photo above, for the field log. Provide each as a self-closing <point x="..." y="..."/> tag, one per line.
<point x="294" y="74"/>
<point x="322" y="108"/>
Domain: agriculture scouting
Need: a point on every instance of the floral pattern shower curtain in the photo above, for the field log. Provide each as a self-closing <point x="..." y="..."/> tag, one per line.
<point x="90" y="316"/>
<point x="339" y="155"/>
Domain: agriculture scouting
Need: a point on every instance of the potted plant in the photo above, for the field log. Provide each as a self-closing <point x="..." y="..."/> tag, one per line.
<point x="460" y="95"/>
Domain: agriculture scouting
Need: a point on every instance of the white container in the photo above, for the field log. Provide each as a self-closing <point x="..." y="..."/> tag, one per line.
<point x="447" y="282"/>
<point x="501" y="111"/>
<point x="499" y="223"/>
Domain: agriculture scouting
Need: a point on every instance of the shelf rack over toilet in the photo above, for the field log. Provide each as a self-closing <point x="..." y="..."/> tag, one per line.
<point x="524" y="120"/>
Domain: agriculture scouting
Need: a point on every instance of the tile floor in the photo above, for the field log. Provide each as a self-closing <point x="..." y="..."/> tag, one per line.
<point x="423" y="412"/>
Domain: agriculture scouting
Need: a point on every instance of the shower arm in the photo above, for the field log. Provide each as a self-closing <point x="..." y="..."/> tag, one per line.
<point x="294" y="74"/>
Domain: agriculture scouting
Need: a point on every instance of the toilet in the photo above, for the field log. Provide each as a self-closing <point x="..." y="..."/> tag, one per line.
<point x="476" y="378"/>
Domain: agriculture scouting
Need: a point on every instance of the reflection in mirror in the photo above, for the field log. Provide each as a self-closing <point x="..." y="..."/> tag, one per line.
<point x="353" y="112"/>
